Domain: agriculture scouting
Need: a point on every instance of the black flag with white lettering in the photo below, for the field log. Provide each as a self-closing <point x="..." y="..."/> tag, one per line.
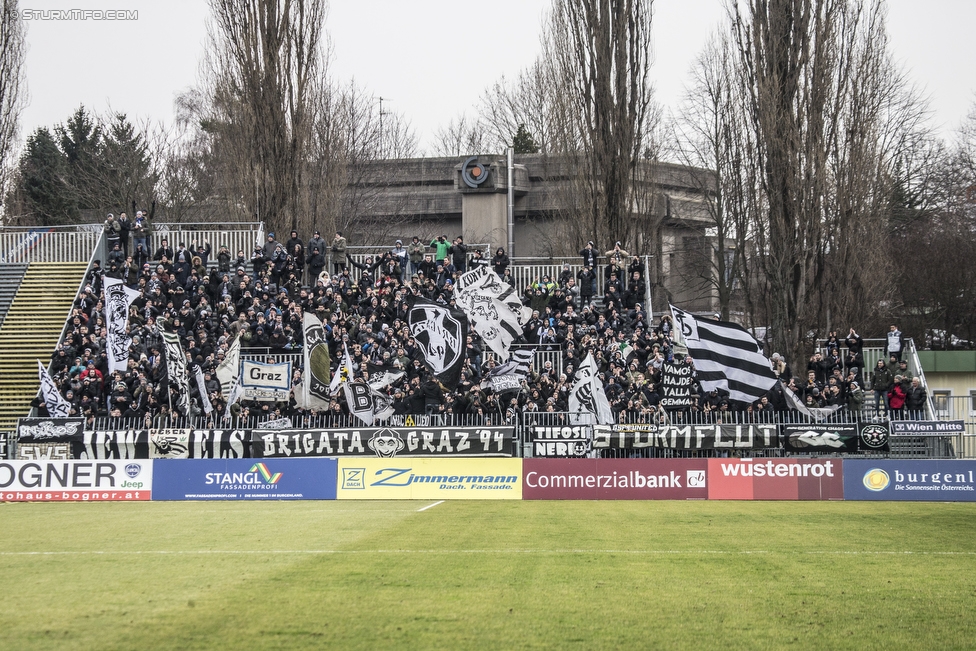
<point x="441" y="334"/>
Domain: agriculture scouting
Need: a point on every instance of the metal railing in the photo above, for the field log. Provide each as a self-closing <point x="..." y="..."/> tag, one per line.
<point x="47" y="244"/>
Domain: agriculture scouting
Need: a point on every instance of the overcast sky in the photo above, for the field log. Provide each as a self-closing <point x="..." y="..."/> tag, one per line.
<point x="431" y="58"/>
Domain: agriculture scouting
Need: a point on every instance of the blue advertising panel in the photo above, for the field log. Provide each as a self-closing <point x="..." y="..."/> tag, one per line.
<point x="244" y="479"/>
<point x="943" y="480"/>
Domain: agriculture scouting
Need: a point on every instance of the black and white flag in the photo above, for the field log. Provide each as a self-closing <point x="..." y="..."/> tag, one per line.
<point x="441" y="334"/>
<point x="725" y="355"/>
<point x="118" y="298"/>
<point x="493" y="307"/>
<point x="367" y="404"/>
<point x="202" y="389"/>
<point x="229" y="370"/>
<point x="176" y="370"/>
<point x="587" y="400"/>
<point x="57" y="406"/>
<point x="315" y="392"/>
<point x="509" y="376"/>
<point x="381" y="376"/>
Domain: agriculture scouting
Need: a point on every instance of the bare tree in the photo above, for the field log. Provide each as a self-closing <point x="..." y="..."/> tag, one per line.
<point x="461" y="137"/>
<point x="828" y="117"/>
<point x="264" y="73"/>
<point x="12" y="81"/>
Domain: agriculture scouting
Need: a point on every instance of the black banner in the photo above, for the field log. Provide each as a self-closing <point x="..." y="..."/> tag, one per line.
<point x="927" y="427"/>
<point x="38" y="451"/>
<point x="4" y="448"/>
<point x="199" y="444"/>
<point x="820" y="437"/>
<point x="441" y="334"/>
<point x="676" y="381"/>
<point x="686" y="437"/>
<point x="385" y="442"/>
<point x="117" y="444"/>
<point x="575" y="441"/>
<point x="873" y="437"/>
<point x="50" y="430"/>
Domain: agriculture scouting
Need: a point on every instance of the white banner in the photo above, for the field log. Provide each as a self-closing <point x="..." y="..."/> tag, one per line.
<point x="266" y="376"/>
<point x="202" y="389"/>
<point x="315" y="392"/>
<point x="229" y="370"/>
<point x="587" y="399"/>
<point x="118" y="298"/>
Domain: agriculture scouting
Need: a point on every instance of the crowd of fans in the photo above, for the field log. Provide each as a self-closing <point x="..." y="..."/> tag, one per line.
<point x="209" y="299"/>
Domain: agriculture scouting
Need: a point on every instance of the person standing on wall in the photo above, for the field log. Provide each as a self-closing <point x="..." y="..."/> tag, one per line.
<point x="338" y="254"/>
<point x="894" y="346"/>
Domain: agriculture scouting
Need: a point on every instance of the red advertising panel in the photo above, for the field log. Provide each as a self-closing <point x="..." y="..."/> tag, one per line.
<point x="775" y="479"/>
<point x="614" y="479"/>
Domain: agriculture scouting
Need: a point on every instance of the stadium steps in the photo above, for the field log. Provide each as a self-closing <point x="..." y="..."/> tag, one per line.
<point x="10" y="277"/>
<point x="31" y="330"/>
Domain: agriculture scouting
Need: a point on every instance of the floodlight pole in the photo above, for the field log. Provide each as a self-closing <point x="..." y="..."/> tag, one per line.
<point x="511" y="202"/>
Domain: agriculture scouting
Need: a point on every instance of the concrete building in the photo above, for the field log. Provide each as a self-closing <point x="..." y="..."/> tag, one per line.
<point x="433" y="196"/>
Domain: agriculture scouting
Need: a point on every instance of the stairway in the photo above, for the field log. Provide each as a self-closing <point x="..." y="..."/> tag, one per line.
<point x="10" y="277"/>
<point x="30" y="331"/>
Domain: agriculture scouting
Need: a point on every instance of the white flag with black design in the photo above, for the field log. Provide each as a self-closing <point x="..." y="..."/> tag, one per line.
<point x="316" y="390"/>
<point x="344" y="373"/>
<point x="492" y="307"/>
<point x="726" y="356"/>
<point x="366" y="404"/>
<point x="57" y="406"/>
<point x="176" y="371"/>
<point x="816" y="413"/>
<point x="509" y="376"/>
<point x="229" y="370"/>
<point x="587" y="399"/>
<point x="202" y="388"/>
<point x="118" y="298"/>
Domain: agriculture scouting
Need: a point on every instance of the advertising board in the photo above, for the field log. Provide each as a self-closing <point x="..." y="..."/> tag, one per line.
<point x="936" y="480"/>
<point x="776" y="479"/>
<point x="614" y="479"/>
<point x="244" y="479"/>
<point x="429" y="479"/>
<point x="68" y="480"/>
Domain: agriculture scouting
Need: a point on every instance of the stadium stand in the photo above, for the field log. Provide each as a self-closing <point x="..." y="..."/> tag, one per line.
<point x="10" y="277"/>
<point x="30" y="331"/>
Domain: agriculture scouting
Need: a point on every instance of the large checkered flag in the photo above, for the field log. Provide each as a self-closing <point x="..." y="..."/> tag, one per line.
<point x="726" y="356"/>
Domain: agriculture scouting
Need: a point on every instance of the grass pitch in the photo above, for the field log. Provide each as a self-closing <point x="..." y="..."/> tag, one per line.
<point x="488" y="575"/>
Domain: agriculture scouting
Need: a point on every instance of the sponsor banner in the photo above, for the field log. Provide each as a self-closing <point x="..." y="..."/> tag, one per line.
<point x="571" y="441"/>
<point x="676" y="385"/>
<point x="686" y="437"/>
<point x="430" y="479"/>
<point x="873" y="437"/>
<point x="927" y="427"/>
<point x="118" y="444"/>
<point x="50" y="430"/>
<point x="775" y="479"/>
<point x="935" y="480"/>
<point x="614" y="479"/>
<point x="820" y="437"/>
<point x="245" y="479"/>
<point x="384" y="442"/>
<point x="44" y="451"/>
<point x="64" y="481"/>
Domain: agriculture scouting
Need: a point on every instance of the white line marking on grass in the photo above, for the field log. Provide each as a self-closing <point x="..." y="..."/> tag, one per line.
<point x="430" y="506"/>
<point x="635" y="552"/>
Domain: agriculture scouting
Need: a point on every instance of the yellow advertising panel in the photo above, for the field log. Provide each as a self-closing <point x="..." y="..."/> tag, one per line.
<point x="430" y="479"/>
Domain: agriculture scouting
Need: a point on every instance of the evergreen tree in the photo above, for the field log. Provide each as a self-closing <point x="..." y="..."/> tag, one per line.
<point x="127" y="173"/>
<point x="47" y="198"/>
<point x="80" y="140"/>
<point x="523" y="142"/>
